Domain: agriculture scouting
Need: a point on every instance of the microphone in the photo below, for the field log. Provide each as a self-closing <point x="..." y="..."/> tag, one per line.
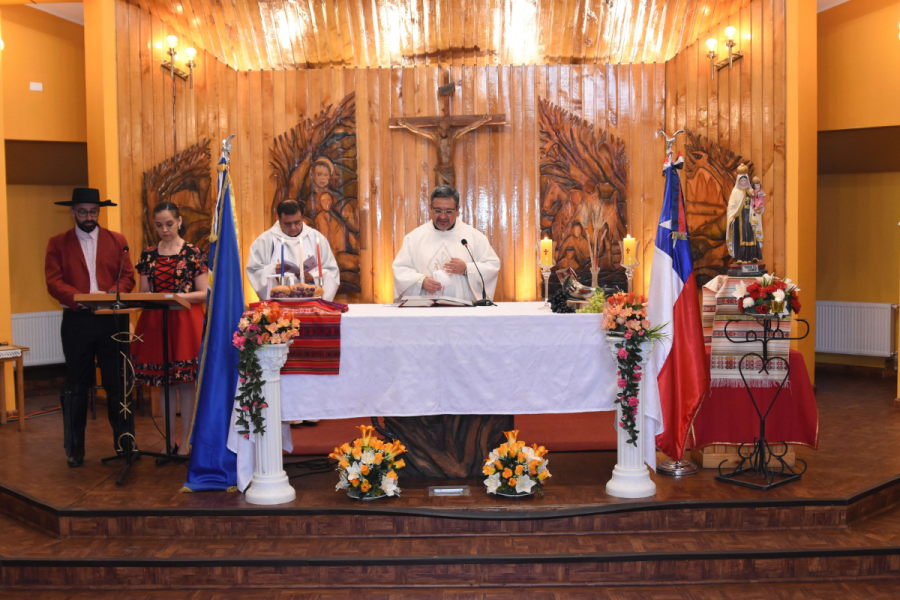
<point x="118" y="305"/>
<point x="484" y="300"/>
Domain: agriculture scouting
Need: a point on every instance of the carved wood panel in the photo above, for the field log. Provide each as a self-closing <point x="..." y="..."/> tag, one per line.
<point x="315" y="163"/>
<point x="185" y="181"/>
<point x="583" y="194"/>
<point x="710" y="173"/>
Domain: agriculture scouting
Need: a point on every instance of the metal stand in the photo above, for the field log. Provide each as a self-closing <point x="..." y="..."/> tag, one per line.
<point x="169" y="455"/>
<point x="629" y="274"/>
<point x="756" y="463"/>
<point x="677" y="468"/>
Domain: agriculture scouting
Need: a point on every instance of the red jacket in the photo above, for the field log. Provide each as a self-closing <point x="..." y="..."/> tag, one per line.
<point x="67" y="272"/>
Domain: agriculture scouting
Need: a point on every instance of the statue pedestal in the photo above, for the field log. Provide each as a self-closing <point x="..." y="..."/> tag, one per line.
<point x="270" y="484"/>
<point x="747" y="270"/>
<point x="631" y="476"/>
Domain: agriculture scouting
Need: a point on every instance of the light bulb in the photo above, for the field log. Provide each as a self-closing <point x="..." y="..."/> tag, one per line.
<point x="191" y="53"/>
<point x="1" y="44"/>
<point x="711" y="43"/>
<point x="172" y="41"/>
<point x="729" y="32"/>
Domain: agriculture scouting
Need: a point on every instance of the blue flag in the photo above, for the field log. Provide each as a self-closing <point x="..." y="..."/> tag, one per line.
<point x="213" y="465"/>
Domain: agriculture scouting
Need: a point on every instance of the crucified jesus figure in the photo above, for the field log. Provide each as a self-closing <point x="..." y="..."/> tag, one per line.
<point x="444" y="138"/>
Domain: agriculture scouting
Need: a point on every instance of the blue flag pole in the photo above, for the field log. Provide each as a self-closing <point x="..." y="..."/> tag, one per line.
<point x="213" y="466"/>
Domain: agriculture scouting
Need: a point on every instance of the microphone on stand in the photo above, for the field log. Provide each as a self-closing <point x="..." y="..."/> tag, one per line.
<point x="484" y="300"/>
<point x="118" y="305"/>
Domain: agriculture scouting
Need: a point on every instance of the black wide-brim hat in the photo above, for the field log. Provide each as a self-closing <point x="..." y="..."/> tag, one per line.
<point x="86" y="196"/>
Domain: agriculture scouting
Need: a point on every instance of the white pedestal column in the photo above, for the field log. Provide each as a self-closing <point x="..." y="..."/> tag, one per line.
<point x="270" y="484"/>
<point x="631" y="477"/>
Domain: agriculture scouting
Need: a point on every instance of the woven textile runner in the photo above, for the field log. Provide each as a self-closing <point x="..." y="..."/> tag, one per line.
<point x="725" y="355"/>
<point x="317" y="350"/>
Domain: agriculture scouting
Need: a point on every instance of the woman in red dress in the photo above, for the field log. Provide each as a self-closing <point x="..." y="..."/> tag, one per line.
<point x="172" y="266"/>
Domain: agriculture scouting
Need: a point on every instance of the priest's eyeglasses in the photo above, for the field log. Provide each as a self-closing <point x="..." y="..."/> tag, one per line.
<point x="448" y="211"/>
<point x="94" y="212"/>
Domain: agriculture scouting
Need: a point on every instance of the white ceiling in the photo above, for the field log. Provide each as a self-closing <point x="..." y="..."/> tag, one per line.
<point x="74" y="11"/>
<point x="826" y="4"/>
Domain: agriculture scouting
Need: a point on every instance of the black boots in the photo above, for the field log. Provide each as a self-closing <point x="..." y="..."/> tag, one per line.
<point x="74" y="401"/>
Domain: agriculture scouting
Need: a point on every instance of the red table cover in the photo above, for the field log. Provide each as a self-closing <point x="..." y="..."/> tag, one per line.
<point x="727" y="416"/>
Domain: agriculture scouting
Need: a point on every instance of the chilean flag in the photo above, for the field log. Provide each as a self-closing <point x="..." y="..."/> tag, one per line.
<point x="683" y="375"/>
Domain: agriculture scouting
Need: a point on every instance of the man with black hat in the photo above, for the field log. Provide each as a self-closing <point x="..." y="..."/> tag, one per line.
<point x="82" y="260"/>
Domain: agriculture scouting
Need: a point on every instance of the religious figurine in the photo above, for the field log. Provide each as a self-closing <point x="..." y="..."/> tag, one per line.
<point x="740" y="234"/>
<point x="334" y="218"/>
<point x="445" y="138"/>
<point x="757" y="206"/>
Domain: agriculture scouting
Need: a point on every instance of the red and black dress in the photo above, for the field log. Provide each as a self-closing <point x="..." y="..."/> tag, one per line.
<point x="169" y="274"/>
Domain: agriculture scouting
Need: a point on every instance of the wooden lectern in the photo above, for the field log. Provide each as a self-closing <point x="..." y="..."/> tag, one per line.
<point x="120" y="304"/>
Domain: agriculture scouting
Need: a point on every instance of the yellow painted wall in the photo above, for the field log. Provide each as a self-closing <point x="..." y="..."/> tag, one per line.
<point x="802" y="157"/>
<point x="35" y="219"/>
<point x="859" y="58"/>
<point x="858" y="244"/>
<point x="43" y="48"/>
<point x="5" y="312"/>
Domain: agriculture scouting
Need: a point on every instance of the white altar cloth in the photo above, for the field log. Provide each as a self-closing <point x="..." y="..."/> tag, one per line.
<point x="507" y="359"/>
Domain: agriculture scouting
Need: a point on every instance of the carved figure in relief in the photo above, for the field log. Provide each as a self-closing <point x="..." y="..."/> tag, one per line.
<point x="757" y="206"/>
<point x="740" y="235"/>
<point x="710" y="171"/>
<point x="315" y="164"/>
<point x="583" y="195"/>
<point x="444" y="138"/>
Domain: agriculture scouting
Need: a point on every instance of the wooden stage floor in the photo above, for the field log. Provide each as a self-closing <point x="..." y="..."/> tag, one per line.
<point x="75" y="529"/>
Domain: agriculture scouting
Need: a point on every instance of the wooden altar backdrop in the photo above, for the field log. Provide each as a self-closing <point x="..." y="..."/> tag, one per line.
<point x="497" y="167"/>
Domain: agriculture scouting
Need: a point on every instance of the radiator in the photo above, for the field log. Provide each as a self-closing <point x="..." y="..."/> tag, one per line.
<point x="39" y="332"/>
<point x="864" y="328"/>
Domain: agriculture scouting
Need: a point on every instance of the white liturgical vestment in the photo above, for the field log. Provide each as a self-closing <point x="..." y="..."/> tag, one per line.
<point x="265" y="253"/>
<point x="426" y="249"/>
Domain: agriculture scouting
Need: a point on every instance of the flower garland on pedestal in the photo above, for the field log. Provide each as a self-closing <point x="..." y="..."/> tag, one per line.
<point x="768" y="294"/>
<point x="369" y="466"/>
<point x="514" y="469"/>
<point x="625" y="317"/>
<point x="265" y="325"/>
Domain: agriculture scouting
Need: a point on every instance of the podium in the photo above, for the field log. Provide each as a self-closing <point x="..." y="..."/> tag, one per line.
<point x="121" y="304"/>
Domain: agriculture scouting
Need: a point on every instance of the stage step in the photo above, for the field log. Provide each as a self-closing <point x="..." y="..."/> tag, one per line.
<point x="35" y="560"/>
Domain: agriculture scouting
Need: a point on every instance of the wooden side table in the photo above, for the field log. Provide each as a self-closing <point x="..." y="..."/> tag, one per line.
<point x="9" y="353"/>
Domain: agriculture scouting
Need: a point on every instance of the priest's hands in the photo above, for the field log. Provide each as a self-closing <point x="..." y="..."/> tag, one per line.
<point x="455" y="266"/>
<point x="431" y="285"/>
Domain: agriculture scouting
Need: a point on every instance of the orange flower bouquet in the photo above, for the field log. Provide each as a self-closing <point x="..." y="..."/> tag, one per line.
<point x="515" y="469"/>
<point x="368" y="466"/>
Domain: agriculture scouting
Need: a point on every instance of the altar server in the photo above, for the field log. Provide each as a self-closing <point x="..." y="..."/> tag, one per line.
<point x="433" y="259"/>
<point x="297" y="242"/>
<point x="82" y="260"/>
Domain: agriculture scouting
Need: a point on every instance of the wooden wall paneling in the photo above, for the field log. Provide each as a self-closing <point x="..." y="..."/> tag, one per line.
<point x="724" y="95"/>
<point x="777" y="196"/>
<point x="344" y="26"/>
<point x="671" y="94"/>
<point x="135" y="51"/>
<point x="502" y="170"/>
<point x="196" y="28"/>
<point x="659" y="116"/>
<point x="531" y="192"/>
<point x="123" y="105"/>
<point x="483" y="204"/>
<point x="409" y="147"/>
<point x="244" y="101"/>
<point x="629" y="122"/>
<point x="681" y="67"/>
<point x="397" y="227"/>
<point x="646" y="215"/>
<point x="704" y="83"/>
<point x="274" y="50"/>
<point x="364" y="182"/>
<point x="268" y="103"/>
<point x="390" y="243"/>
<point x="766" y="172"/>
<point x="155" y="84"/>
<point x="756" y="78"/>
<point x="208" y="29"/>
<point x="734" y="87"/>
<point x="692" y="89"/>
<point x="746" y="67"/>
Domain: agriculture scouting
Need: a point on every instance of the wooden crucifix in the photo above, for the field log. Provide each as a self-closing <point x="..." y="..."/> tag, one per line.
<point x="449" y="129"/>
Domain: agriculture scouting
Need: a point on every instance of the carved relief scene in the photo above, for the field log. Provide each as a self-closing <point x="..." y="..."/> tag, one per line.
<point x="315" y="163"/>
<point x="710" y="173"/>
<point x="185" y="181"/>
<point x="583" y="172"/>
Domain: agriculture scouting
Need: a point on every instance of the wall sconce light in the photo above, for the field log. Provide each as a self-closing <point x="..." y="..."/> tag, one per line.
<point x="711" y="44"/>
<point x="732" y="55"/>
<point x="191" y="53"/>
<point x="172" y="43"/>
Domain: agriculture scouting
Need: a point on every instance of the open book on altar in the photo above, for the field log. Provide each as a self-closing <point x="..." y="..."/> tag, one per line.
<point x="433" y="301"/>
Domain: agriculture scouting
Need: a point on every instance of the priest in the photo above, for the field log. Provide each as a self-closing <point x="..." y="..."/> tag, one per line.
<point x="297" y="242"/>
<point x="433" y="260"/>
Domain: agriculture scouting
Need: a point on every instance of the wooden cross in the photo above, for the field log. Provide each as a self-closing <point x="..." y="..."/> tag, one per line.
<point x="449" y="129"/>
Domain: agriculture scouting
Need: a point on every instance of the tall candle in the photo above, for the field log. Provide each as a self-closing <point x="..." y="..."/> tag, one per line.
<point x="282" y="260"/>
<point x="629" y="251"/>
<point x="546" y="252"/>
<point x="319" y="257"/>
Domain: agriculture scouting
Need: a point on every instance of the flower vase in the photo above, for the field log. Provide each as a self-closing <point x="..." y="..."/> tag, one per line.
<point x="270" y="484"/>
<point x="595" y="272"/>
<point x="631" y="476"/>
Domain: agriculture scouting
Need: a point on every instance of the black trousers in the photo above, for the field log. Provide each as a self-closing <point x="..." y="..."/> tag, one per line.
<point x="87" y="338"/>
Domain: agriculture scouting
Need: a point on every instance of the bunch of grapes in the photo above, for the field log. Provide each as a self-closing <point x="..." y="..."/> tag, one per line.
<point x="596" y="303"/>
<point x="559" y="303"/>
